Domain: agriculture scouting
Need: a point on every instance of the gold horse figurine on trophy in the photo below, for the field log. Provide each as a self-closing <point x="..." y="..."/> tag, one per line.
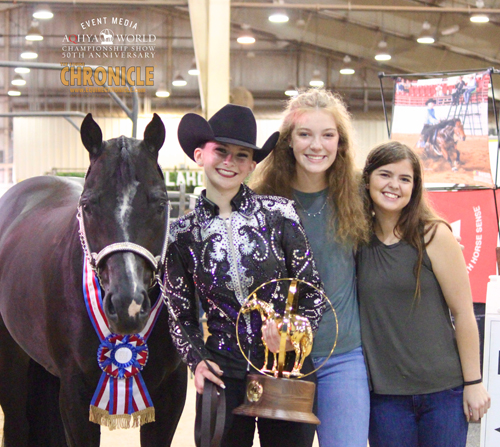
<point x="298" y="330"/>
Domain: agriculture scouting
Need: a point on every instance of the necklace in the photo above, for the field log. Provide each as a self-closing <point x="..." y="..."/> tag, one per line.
<point x="313" y="215"/>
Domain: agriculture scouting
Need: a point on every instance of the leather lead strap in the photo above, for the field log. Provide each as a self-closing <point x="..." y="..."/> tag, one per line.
<point x="211" y="406"/>
<point x="210" y="416"/>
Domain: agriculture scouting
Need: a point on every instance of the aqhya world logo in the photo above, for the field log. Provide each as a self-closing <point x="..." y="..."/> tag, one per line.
<point x="105" y="43"/>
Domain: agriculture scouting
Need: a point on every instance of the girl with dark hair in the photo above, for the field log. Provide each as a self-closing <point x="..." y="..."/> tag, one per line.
<point x="424" y="371"/>
<point x="313" y="164"/>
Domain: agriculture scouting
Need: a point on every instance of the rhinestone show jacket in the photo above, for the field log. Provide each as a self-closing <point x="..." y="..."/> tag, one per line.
<point x="221" y="261"/>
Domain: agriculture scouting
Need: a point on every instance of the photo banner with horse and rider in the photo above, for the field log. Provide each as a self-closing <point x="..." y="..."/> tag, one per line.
<point x="445" y="120"/>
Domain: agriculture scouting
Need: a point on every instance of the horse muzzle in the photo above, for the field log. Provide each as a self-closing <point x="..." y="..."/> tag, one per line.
<point x="127" y="313"/>
<point x="125" y="278"/>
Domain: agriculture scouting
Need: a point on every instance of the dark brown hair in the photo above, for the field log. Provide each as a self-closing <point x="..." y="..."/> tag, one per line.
<point x="418" y="221"/>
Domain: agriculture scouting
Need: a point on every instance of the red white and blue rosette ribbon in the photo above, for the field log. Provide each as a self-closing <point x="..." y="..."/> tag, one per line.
<point x="121" y="399"/>
<point x="122" y="356"/>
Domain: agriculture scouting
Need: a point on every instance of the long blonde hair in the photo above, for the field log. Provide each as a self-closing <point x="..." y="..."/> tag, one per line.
<point x="276" y="173"/>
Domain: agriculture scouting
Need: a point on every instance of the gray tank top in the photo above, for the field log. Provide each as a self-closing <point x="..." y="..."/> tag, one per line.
<point x="410" y="346"/>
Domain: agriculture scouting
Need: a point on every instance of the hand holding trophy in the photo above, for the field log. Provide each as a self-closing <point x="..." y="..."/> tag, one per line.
<point x="274" y="393"/>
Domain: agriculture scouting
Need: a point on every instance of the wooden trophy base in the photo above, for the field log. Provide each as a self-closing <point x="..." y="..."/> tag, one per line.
<point x="285" y="399"/>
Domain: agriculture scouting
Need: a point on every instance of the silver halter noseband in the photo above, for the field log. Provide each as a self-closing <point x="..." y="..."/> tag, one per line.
<point x="157" y="262"/>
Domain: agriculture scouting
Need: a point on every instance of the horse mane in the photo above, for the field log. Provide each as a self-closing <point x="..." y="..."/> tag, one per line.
<point x="261" y="305"/>
<point x="450" y="122"/>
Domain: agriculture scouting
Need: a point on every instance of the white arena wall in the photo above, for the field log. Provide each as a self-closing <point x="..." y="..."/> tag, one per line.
<point x="44" y="144"/>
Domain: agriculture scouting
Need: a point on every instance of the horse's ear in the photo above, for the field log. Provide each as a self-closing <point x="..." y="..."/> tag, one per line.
<point x="154" y="135"/>
<point x="91" y="135"/>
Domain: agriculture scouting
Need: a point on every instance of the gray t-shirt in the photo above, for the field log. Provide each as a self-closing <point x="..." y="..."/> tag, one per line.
<point x="335" y="263"/>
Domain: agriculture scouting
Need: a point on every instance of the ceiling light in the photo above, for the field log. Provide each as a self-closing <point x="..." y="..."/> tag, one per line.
<point x="18" y="80"/>
<point x="22" y="70"/>
<point x="382" y="53"/>
<point x="34" y="32"/>
<point x="316" y="80"/>
<point x="179" y="81"/>
<point x="246" y="37"/>
<point x="14" y="91"/>
<point x="43" y="12"/>
<point x="291" y="90"/>
<point x="346" y="68"/>
<point x="425" y="35"/>
<point x="193" y="70"/>
<point x="451" y="30"/>
<point x="162" y="91"/>
<point x="426" y="39"/>
<point x="479" y="18"/>
<point x="383" y="56"/>
<point x="29" y="54"/>
<point x="278" y="17"/>
<point x="347" y="71"/>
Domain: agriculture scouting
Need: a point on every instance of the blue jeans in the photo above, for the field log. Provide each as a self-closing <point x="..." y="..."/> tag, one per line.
<point x="343" y="404"/>
<point x="424" y="420"/>
<point x="467" y="93"/>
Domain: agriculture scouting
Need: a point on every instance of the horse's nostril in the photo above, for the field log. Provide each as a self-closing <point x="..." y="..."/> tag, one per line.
<point x="145" y="309"/>
<point x="111" y="307"/>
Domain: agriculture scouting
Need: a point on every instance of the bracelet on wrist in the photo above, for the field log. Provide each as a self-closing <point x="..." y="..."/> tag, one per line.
<point x="473" y="382"/>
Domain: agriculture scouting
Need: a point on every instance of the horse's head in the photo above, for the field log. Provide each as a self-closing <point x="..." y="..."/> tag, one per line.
<point x="124" y="213"/>
<point x="459" y="129"/>
<point x="250" y="305"/>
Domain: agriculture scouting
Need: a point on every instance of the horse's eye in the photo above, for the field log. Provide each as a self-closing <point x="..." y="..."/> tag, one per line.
<point x="86" y="208"/>
<point x="161" y="207"/>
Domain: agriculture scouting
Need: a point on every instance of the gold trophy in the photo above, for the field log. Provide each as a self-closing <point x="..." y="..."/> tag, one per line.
<point x="276" y="393"/>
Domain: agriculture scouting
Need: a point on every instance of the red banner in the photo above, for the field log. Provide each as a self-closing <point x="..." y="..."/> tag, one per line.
<point x="472" y="216"/>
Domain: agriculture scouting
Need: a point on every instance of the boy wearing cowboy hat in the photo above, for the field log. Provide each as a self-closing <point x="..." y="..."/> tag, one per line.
<point x="231" y="243"/>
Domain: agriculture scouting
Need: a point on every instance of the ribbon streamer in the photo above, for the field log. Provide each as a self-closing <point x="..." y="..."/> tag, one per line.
<point x="121" y="399"/>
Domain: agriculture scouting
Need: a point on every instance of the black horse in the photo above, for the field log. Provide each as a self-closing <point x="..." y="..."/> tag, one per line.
<point x="48" y="346"/>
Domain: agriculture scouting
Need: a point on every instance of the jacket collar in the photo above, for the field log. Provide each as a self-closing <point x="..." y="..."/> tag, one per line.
<point x="244" y="202"/>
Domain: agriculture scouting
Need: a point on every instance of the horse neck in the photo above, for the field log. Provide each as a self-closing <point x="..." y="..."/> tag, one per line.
<point x="266" y="309"/>
<point x="449" y="131"/>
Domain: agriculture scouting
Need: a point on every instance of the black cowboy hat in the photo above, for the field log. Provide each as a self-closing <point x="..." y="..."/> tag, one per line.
<point x="232" y="124"/>
<point x="430" y="100"/>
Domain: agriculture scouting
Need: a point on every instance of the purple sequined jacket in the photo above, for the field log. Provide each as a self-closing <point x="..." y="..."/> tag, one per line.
<point x="221" y="261"/>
